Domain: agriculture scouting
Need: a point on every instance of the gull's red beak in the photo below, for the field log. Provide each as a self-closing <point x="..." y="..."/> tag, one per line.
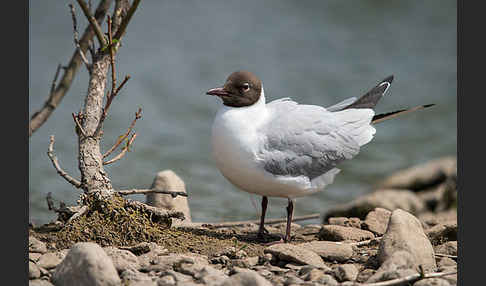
<point x="219" y="91"/>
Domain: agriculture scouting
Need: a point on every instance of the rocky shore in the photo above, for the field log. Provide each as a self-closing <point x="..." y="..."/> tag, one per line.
<point x="404" y="233"/>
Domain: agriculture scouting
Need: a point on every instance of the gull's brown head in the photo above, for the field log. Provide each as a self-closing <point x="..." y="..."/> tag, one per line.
<point x="242" y="88"/>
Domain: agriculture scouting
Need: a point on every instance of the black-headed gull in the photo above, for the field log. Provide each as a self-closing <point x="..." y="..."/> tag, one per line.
<point x="286" y="149"/>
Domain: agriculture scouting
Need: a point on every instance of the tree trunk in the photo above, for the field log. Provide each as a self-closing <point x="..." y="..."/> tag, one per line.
<point x="93" y="176"/>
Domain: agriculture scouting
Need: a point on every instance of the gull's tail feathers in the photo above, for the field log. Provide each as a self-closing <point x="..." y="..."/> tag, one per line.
<point x="371" y="98"/>
<point x="389" y="115"/>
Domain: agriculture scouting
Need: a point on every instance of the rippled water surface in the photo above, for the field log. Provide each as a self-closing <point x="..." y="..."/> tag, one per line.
<point x="317" y="52"/>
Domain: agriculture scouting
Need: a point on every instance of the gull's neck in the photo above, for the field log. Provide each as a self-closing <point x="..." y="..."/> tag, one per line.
<point x="252" y="114"/>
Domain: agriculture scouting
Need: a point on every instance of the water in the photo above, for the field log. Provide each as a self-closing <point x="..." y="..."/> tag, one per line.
<point x="319" y="52"/>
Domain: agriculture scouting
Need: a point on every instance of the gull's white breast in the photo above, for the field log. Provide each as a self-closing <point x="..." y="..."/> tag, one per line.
<point x="235" y="145"/>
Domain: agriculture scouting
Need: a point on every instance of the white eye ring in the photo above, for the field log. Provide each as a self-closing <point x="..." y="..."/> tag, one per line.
<point x="246" y="87"/>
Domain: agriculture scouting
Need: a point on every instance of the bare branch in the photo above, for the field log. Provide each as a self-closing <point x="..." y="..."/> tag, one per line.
<point x="157" y="213"/>
<point x="57" y="94"/>
<point x="126" y="20"/>
<point x="112" y="57"/>
<point x="61" y="172"/>
<point x="150" y="191"/>
<point x="93" y="22"/>
<point x="446" y="255"/>
<point x="123" y="151"/>
<point x="76" y="40"/>
<point x="268" y="221"/>
<point x="138" y="115"/>
<point x="410" y="278"/>
<point x="53" y="85"/>
<point x="78" y="125"/>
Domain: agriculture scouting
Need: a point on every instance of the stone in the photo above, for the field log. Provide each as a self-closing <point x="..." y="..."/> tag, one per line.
<point x="122" y="259"/>
<point x="441" y="233"/>
<point x="422" y="176"/>
<point x="86" y="264"/>
<point x="166" y="262"/>
<point x="246" y="262"/>
<point x="167" y="180"/>
<point x="390" y="199"/>
<point x="344" y="221"/>
<point x="448" y="248"/>
<point x="246" y="278"/>
<point x="36" y="245"/>
<point x="405" y="233"/>
<point x="50" y="260"/>
<point x="432" y="282"/>
<point x="365" y="275"/>
<point x="210" y="276"/>
<point x="181" y="279"/>
<point x="341" y="233"/>
<point x="376" y="221"/>
<point x="431" y="219"/>
<point x="167" y="280"/>
<point x="40" y="282"/>
<point x="132" y="276"/>
<point x="346" y="272"/>
<point x="445" y="262"/>
<point x="313" y="275"/>
<point x="34" y="256"/>
<point x="34" y="271"/>
<point x="327" y="280"/>
<point x="400" y="264"/>
<point x="292" y="253"/>
<point x="331" y="251"/>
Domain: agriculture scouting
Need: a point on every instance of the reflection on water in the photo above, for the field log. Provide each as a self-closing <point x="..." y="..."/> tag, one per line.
<point x="317" y="53"/>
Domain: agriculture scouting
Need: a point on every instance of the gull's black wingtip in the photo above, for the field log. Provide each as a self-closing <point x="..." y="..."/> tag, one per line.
<point x="389" y="79"/>
<point x="428" y="105"/>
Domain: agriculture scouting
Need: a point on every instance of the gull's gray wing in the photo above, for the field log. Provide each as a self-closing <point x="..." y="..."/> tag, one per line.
<point x="308" y="140"/>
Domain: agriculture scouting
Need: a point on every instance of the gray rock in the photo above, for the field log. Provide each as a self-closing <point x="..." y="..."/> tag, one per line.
<point x="327" y="280"/>
<point x="346" y="272"/>
<point x="441" y="233"/>
<point x="40" y="282"/>
<point x="168" y="180"/>
<point x="86" y="264"/>
<point x="34" y="256"/>
<point x="246" y="262"/>
<point x="34" y="271"/>
<point x="36" y="245"/>
<point x="445" y="262"/>
<point x="344" y="221"/>
<point x="122" y="259"/>
<point x="376" y="221"/>
<point x="400" y="264"/>
<point x="292" y="253"/>
<point x="166" y="262"/>
<point x="131" y="276"/>
<point x="50" y="260"/>
<point x="422" y="176"/>
<point x="313" y="275"/>
<point x="293" y="280"/>
<point x="332" y="251"/>
<point x="432" y="282"/>
<point x="341" y="233"/>
<point x="405" y="233"/>
<point x="448" y="248"/>
<point x="167" y="280"/>
<point x="389" y="199"/>
<point x="181" y="279"/>
<point x="247" y="278"/>
<point x="364" y="275"/>
<point x="210" y="276"/>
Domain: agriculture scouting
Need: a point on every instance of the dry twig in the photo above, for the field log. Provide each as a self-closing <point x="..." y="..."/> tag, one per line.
<point x="76" y="40"/>
<point x="126" y="20"/>
<point x="123" y="151"/>
<point x="268" y="221"/>
<point x="410" y="278"/>
<point x="61" y="172"/>
<point x="150" y="191"/>
<point x="78" y="124"/>
<point x="57" y="93"/>
<point x="138" y="115"/>
<point x="93" y="22"/>
<point x="446" y="255"/>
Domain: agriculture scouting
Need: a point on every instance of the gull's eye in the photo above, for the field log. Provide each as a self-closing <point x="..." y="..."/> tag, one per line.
<point x="246" y="87"/>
